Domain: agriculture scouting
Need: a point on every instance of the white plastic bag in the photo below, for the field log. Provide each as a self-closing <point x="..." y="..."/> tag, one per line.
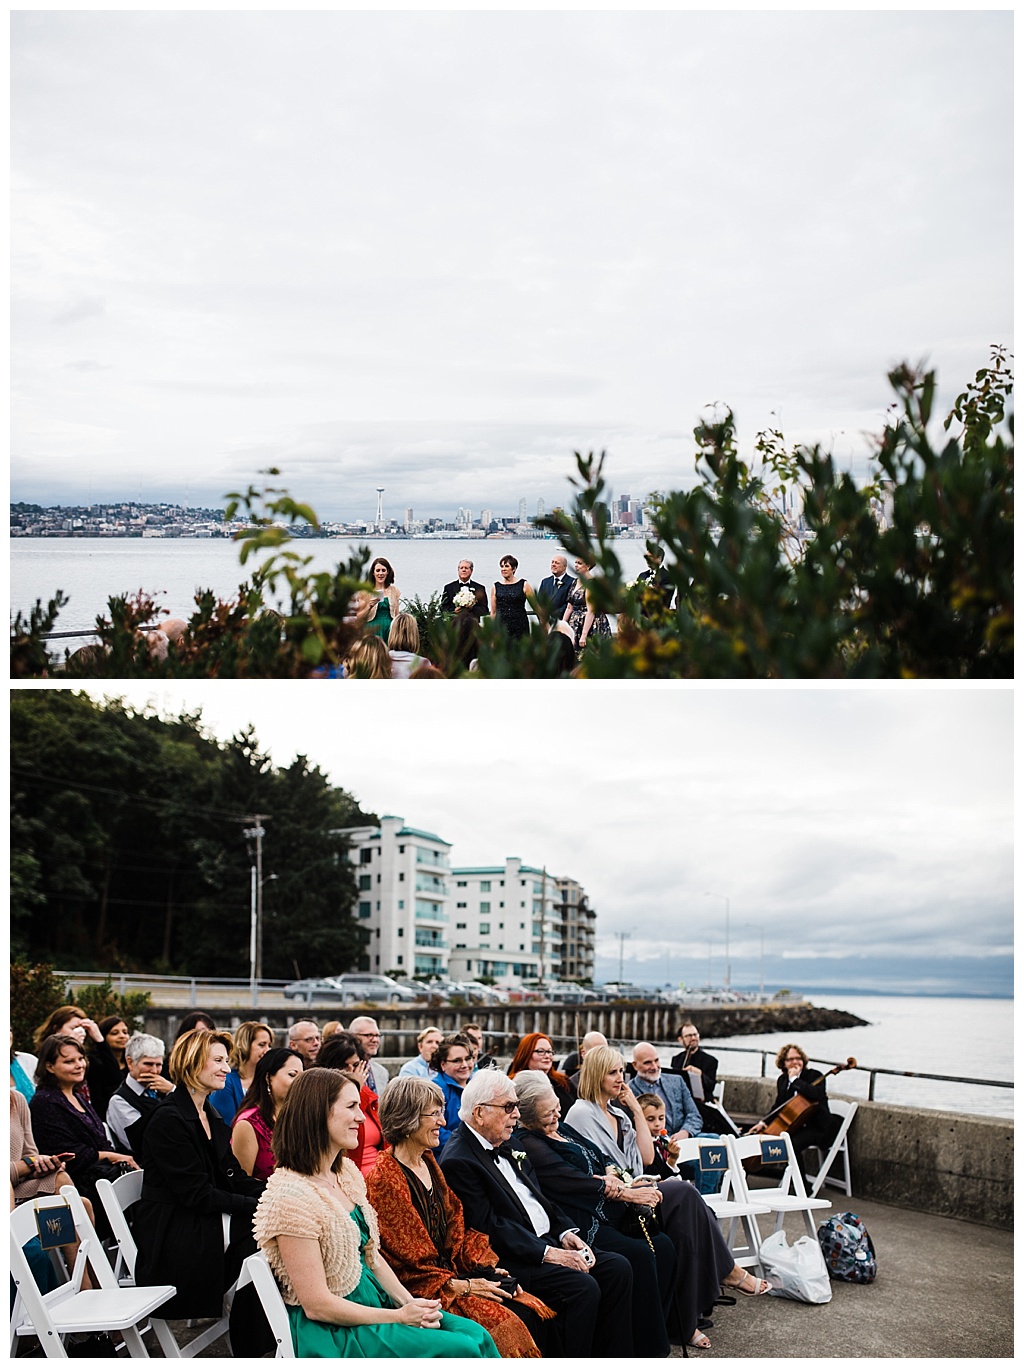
<point x="798" y="1270"/>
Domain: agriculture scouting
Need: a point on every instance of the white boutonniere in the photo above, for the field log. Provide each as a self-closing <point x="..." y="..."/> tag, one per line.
<point x="519" y="1156"/>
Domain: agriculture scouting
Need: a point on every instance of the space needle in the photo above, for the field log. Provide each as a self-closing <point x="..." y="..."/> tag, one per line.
<point x="380" y="508"/>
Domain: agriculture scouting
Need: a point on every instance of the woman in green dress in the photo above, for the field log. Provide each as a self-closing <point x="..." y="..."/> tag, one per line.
<point x="319" y="1234"/>
<point x="379" y="608"/>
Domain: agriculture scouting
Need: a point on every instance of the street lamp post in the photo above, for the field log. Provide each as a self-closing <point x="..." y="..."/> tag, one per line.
<point x="728" y="976"/>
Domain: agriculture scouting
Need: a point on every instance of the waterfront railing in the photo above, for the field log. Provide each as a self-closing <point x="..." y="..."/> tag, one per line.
<point x="191" y="990"/>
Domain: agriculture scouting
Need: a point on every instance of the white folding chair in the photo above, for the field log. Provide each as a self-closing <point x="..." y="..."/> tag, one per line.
<point x="840" y="1149"/>
<point x="257" y="1271"/>
<point x="742" y="1234"/>
<point x="789" y="1194"/>
<point x="118" y="1198"/>
<point x="69" y="1309"/>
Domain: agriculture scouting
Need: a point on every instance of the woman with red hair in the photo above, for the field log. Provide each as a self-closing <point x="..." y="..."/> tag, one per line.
<point x="534" y="1052"/>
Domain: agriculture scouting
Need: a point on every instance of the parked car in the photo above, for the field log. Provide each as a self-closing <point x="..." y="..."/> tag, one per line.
<point x="352" y="988"/>
<point x="569" y="993"/>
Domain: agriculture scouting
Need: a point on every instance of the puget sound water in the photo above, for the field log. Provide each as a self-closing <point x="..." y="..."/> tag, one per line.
<point x="92" y="569"/>
<point x="960" y="1037"/>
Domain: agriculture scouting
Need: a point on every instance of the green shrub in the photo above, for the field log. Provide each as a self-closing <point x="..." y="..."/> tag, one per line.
<point x="35" y="991"/>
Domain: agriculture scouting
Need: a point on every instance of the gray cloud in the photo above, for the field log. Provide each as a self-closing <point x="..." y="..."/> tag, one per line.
<point x="846" y="825"/>
<point x="578" y="221"/>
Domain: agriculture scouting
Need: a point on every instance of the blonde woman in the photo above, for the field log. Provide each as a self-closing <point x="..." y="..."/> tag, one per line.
<point x="191" y="1180"/>
<point x="252" y="1041"/>
<point x="404" y="646"/>
<point x="368" y="659"/>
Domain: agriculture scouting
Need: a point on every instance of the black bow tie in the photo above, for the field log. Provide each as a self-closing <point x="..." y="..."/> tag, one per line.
<point x="504" y="1150"/>
<point x="558" y="584"/>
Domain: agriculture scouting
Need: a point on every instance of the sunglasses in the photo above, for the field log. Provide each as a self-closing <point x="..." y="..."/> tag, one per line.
<point x="507" y="1107"/>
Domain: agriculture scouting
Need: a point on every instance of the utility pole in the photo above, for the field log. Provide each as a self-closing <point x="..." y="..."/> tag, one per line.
<point x="256" y="832"/>
<point x="623" y="937"/>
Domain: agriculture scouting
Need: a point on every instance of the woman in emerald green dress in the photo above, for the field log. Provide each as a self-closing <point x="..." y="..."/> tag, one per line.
<point x="319" y="1234"/>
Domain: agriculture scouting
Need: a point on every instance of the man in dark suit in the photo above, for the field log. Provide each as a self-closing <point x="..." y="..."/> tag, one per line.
<point x="656" y="585"/>
<point x="479" y="607"/>
<point x="555" y="588"/>
<point x="590" y="1290"/>
<point x="694" y="1063"/>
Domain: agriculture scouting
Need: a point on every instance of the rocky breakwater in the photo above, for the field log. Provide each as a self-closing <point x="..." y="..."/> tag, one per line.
<point x="736" y="1019"/>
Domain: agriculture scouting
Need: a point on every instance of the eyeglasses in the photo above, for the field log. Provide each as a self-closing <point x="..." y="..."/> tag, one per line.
<point x="368" y="1035"/>
<point x="507" y="1107"/>
<point x="550" y="1053"/>
<point x="432" y="1116"/>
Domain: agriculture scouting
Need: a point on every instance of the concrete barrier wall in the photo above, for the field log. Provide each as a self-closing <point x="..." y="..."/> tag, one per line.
<point x="948" y="1163"/>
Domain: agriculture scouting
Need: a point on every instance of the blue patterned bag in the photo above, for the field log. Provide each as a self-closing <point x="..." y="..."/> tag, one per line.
<point x="846" y="1245"/>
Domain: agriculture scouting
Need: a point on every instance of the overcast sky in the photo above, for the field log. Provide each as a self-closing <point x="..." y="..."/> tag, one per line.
<point x="438" y="251"/>
<point x="869" y="832"/>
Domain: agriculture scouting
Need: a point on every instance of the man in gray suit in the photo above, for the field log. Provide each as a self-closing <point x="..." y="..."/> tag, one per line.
<point x="682" y="1119"/>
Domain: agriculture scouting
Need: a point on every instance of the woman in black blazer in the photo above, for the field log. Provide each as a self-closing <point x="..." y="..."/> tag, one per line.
<point x="191" y="1180"/>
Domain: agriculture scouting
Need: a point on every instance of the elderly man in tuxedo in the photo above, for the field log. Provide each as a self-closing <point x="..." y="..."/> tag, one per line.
<point x="554" y="588"/>
<point x="589" y="1289"/>
<point x="465" y="581"/>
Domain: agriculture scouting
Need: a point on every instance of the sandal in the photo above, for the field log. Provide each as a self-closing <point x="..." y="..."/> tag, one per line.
<point x="698" y="1341"/>
<point x="757" y="1288"/>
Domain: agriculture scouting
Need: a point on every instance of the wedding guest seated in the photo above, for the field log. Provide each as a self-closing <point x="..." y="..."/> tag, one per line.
<point x="252" y="1040"/>
<point x="535" y="1051"/>
<point x="427" y="1042"/>
<point x="368" y="659"/>
<point x="404" y="646"/>
<point x="140" y="1094"/>
<point x="70" y="1020"/>
<point x="107" y="1068"/>
<point x="452" y="1062"/>
<point x="610" y="1214"/>
<point x="535" y="1240"/>
<point x="423" y="1234"/>
<point x="63" y="1122"/>
<point x="666" y="1147"/>
<point x="347" y="1054"/>
<point x="320" y="1236"/>
<point x="253" y="1130"/>
<point x="191" y="1180"/>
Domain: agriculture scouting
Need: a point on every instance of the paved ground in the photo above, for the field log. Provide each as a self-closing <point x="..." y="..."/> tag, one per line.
<point x="944" y="1290"/>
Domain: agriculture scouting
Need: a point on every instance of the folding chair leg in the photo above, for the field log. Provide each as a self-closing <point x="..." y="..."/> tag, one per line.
<point x="133" y="1340"/>
<point x="165" y="1339"/>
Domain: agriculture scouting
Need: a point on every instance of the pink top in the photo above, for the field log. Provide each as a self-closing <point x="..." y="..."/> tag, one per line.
<point x="372" y="1138"/>
<point x="265" y="1161"/>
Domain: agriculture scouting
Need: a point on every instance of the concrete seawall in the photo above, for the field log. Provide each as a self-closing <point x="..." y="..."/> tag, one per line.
<point x="948" y="1163"/>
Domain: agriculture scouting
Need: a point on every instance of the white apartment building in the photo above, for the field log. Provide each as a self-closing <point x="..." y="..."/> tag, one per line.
<point x="505" y="923"/>
<point x="403" y="901"/>
<point x="576" y="919"/>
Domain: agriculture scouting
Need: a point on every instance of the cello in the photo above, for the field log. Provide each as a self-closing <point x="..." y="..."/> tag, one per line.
<point x="792" y="1114"/>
